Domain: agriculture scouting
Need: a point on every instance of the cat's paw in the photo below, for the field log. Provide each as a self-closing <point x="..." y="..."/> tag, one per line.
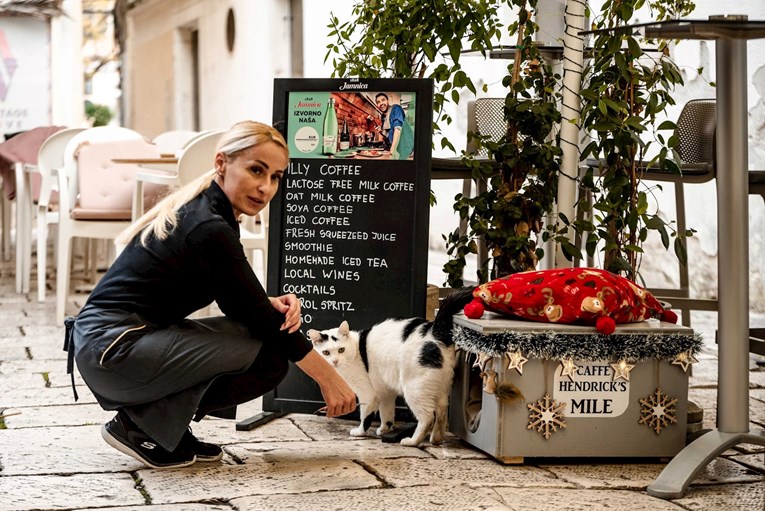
<point x="409" y="442"/>
<point x="382" y="430"/>
<point x="358" y="432"/>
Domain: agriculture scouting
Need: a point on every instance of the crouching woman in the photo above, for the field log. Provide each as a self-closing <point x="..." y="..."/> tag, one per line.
<point x="136" y="350"/>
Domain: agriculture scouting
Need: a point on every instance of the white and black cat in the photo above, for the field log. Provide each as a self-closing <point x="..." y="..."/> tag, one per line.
<point x="413" y="358"/>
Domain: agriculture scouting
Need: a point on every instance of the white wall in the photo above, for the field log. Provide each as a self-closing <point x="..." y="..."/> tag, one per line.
<point x="67" y="108"/>
<point x="233" y="85"/>
<point x="239" y="85"/>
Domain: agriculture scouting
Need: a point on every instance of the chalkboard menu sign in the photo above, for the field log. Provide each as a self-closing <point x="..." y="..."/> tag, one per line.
<point x="348" y="228"/>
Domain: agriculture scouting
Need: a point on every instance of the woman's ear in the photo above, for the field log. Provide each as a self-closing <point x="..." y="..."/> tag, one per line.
<point x="220" y="163"/>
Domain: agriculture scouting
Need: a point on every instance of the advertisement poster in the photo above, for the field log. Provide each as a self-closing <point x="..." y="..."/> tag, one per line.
<point x="25" y="93"/>
<point x="349" y="226"/>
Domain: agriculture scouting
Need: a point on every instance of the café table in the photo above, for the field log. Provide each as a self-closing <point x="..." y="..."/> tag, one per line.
<point x="730" y="34"/>
<point x="162" y="170"/>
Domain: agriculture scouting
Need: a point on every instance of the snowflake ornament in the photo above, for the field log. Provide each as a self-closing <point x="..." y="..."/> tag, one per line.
<point x="546" y="416"/>
<point x="658" y="411"/>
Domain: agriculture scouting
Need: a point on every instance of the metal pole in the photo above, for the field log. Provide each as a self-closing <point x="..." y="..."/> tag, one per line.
<point x="733" y="237"/>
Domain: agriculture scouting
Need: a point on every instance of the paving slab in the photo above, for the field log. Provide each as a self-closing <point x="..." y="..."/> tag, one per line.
<point x="707" y="400"/>
<point x="361" y="450"/>
<point x="757" y="378"/>
<point x="74" y="450"/>
<point x="11" y="301"/>
<point x="44" y="396"/>
<point x="704" y="373"/>
<point x="198" y="482"/>
<point x="13" y="353"/>
<point x="9" y="331"/>
<point x="454" y="448"/>
<point x="755" y="462"/>
<point x="323" y="428"/>
<point x="31" y="377"/>
<point x="187" y="506"/>
<point x="27" y="493"/>
<point x="524" y="499"/>
<point x="64" y="415"/>
<point x="223" y="432"/>
<point x="47" y="352"/>
<point x="33" y="340"/>
<point x="640" y="475"/>
<point x="404" y="472"/>
<point x="22" y="373"/>
<point x="46" y="330"/>
<point x="432" y="498"/>
<point x="734" y="497"/>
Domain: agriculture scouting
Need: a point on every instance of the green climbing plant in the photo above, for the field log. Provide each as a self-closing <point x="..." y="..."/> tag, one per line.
<point x="625" y="93"/>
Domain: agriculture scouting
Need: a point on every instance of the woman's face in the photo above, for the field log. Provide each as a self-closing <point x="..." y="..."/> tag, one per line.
<point x="251" y="179"/>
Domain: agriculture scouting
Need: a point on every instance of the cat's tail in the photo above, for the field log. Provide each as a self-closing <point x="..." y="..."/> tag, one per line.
<point x="452" y="304"/>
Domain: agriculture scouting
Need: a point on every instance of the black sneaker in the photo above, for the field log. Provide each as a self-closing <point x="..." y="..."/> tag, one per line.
<point x="124" y="436"/>
<point x="203" y="450"/>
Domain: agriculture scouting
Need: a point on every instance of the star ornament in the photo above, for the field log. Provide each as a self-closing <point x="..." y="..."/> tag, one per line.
<point x="622" y="370"/>
<point x="482" y="361"/>
<point x="684" y="360"/>
<point x="568" y="368"/>
<point x="516" y="361"/>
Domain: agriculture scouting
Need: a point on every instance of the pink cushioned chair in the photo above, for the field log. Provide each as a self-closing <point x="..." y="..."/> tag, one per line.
<point x="96" y="194"/>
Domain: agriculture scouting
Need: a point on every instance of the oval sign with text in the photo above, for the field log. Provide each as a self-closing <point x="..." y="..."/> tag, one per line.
<point x="591" y="390"/>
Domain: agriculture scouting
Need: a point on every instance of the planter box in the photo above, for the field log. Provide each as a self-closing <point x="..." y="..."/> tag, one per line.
<point x="602" y="414"/>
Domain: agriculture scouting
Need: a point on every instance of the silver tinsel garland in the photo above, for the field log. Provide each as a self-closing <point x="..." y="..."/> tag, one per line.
<point x="589" y="347"/>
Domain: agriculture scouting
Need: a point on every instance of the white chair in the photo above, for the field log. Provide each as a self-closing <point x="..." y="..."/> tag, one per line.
<point x="253" y="234"/>
<point x="196" y="159"/>
<point x="49" y="160"/>
<point x="95" y="194"/>
<point x="173" y="141"/>
<point x="5" y="211"/>
<point x="18" y="154"/>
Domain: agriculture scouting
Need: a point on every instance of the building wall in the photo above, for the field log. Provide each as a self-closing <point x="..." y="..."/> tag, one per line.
<point x="41" y="76"/>
<point x="67" y="107"/>
<point x="233" y="85"/>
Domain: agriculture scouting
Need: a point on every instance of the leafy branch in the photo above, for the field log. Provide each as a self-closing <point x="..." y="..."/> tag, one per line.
<point x="509" y="215"/>
<point x="429" y="43"/>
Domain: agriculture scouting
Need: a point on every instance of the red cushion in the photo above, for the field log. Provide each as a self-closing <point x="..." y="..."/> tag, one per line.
<point x="568" y="295"/>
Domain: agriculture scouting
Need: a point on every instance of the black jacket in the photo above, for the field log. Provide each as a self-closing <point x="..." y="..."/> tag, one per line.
<point x="201" y="260"/>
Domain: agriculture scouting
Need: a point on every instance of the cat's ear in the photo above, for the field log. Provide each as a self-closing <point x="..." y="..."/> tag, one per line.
<point x="344" y="329"/>
<point x="315" y="336"/>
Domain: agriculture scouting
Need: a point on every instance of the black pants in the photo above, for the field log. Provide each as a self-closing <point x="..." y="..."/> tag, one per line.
<point x="163" y="377"/>
<point x="229" y="390"/>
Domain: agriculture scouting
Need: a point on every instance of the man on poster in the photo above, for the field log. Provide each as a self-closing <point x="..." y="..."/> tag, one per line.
<point x="395" y="129"/>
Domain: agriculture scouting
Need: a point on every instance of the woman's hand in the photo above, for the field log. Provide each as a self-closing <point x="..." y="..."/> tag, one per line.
<point x="289" y="305"/>
<point x="339" y="397"/>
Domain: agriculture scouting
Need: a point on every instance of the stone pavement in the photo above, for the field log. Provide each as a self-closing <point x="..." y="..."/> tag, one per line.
<point x="52" y="455"/>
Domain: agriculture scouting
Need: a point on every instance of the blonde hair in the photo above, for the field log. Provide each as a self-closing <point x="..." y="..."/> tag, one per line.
<point x="160" y="220"/>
